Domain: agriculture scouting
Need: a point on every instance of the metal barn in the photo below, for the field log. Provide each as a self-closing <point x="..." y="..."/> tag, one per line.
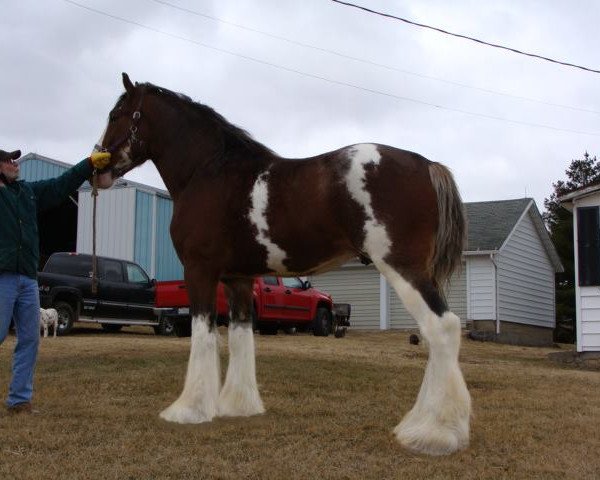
<point x="132" y="221"/>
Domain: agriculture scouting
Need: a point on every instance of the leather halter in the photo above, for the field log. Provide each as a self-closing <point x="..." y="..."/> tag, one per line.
<point x="131" y="135"/>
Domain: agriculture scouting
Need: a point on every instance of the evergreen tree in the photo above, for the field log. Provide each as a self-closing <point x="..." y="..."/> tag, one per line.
<point x="560" y="224"/>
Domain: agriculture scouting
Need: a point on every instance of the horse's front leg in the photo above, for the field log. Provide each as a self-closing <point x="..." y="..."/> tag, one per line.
<point x="198" y="400"/>
<point x="240" y="396"/>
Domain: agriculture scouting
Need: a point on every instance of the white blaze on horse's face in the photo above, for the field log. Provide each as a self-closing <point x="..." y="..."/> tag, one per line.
<point x="258" y="217"/>
<point x="377" y="243"/>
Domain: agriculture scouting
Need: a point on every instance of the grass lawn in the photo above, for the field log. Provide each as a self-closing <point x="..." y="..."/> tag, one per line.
<point x="331" y="406"/>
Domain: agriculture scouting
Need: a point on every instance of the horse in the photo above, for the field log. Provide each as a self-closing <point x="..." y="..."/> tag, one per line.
<point x="240" y="211"/>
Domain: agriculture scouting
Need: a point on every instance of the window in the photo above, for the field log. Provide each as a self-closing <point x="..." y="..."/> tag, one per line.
<point x="588" y="245"/>
<point x="77" y="265"/>
<point x="270" y="281"/>
<point x="135" y="274"/>
<point x="293" y="282"/>
<point x="111" y="271"/>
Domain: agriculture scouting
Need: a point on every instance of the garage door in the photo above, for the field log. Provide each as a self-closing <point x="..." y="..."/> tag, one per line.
<point x="358" y="286"/>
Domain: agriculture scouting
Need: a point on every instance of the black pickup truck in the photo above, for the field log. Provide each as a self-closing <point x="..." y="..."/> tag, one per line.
<point x="125" y="294"/>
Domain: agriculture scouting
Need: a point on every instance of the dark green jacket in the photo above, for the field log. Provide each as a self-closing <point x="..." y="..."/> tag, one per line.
<point x="20" y="203"/>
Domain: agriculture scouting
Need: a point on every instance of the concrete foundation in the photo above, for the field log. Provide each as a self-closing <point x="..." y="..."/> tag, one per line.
<point x="512" y="333"/>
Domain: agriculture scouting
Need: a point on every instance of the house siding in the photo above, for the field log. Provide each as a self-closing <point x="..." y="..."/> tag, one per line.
<point x="456" y="295"/>
<point x="590" y="318"/>
<point x="358" y="286"/>
<point x="525" y="278"/>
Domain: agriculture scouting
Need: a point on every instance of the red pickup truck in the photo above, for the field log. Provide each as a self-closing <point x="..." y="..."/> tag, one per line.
<point x="278" y="302"/>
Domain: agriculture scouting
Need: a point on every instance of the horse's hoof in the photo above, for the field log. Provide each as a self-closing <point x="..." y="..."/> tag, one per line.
<point x="427" y="437"/>
<point x="179" y="413"/>
<point x="236" y="404"/>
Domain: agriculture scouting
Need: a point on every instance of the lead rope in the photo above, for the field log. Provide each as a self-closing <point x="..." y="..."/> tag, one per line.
<point x="94" y="259"/>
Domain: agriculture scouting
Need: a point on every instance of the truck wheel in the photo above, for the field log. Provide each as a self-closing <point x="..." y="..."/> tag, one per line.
<point x="66" y="317"/>
<point x="267" y="328"/>
<point x="322" y="322"/>
<point x="111" y="327"/>
<point x="166" y="327"/>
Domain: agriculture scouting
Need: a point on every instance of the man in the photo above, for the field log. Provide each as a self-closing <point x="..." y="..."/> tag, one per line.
<point x="19" y="257"/>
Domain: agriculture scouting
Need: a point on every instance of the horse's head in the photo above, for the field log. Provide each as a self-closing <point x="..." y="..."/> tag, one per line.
<point x="125" y="135"/>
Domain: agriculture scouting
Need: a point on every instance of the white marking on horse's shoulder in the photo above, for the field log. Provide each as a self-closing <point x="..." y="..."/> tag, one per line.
<point x="377" y="242"/>
<point x="258" y="217"/>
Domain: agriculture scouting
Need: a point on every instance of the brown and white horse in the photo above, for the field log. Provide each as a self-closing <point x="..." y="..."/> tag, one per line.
<point x="240" y="211"/>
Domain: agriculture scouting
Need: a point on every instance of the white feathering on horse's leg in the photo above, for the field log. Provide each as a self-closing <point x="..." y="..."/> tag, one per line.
<point x="438" y="423"/>
<point x="198" y="400"/>
<point x="240" y="396"/>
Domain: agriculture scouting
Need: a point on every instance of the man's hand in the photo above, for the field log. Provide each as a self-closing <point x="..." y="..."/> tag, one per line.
<point x="100" y="160"/>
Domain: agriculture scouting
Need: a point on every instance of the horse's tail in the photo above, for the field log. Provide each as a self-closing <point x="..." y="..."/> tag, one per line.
<point x="452" y="227"/>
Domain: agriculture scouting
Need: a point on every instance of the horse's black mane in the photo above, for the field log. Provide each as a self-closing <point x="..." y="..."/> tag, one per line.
<point x="234" y="138"/>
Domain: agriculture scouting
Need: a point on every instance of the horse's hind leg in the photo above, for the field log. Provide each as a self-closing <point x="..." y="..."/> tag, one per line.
<point x="438" y="423"/>
<point x="198" y="400"/>
<point x="240" y="396"/>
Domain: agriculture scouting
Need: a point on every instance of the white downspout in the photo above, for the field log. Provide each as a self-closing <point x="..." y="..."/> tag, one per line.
<point x="496" y="293"/>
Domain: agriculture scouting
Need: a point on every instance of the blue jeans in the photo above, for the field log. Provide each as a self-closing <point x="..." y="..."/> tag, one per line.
<point x="20" y="300"/>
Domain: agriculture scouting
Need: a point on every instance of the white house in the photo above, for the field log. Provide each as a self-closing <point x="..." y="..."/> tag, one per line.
<point x="585" y="204"/>
<point x="505" y="288"/>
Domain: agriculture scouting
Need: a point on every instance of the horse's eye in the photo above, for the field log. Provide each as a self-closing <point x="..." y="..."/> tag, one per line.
<point x="114" y="114"/>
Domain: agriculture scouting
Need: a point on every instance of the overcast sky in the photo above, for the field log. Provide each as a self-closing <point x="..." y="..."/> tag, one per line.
<point x="433" y="94"/>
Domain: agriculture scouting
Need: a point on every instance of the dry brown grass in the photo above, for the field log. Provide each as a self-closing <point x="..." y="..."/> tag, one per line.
<point x="331" y="403"/>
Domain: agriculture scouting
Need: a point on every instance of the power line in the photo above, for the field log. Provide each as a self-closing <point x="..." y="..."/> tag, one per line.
<point x="369" y="62"/>
<point x="329" y="80"/>
<point x="466" y="37"/>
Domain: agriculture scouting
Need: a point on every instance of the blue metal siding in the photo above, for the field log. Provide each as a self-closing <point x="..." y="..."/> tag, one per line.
<point x="168" y="266"/>
<point x="35" y="169"/>
<point x="142" y="246"/>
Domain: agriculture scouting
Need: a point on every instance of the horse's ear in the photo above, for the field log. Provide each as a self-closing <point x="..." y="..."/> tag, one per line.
<point x="129" y="88"/>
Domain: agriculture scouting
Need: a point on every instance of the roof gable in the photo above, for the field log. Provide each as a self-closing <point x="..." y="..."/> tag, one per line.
<point x="490" y="223"/>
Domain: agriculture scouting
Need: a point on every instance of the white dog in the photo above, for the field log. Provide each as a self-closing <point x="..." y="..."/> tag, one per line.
<point x="48" y="317"/>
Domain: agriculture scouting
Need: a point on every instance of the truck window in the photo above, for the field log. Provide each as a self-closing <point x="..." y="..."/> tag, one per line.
<point x="77" y="265"/>
<point x="270" y="281"/>
<point x="293" y="282"/>
<point x="135" y="274"/>
<point x="111" y="271"/>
